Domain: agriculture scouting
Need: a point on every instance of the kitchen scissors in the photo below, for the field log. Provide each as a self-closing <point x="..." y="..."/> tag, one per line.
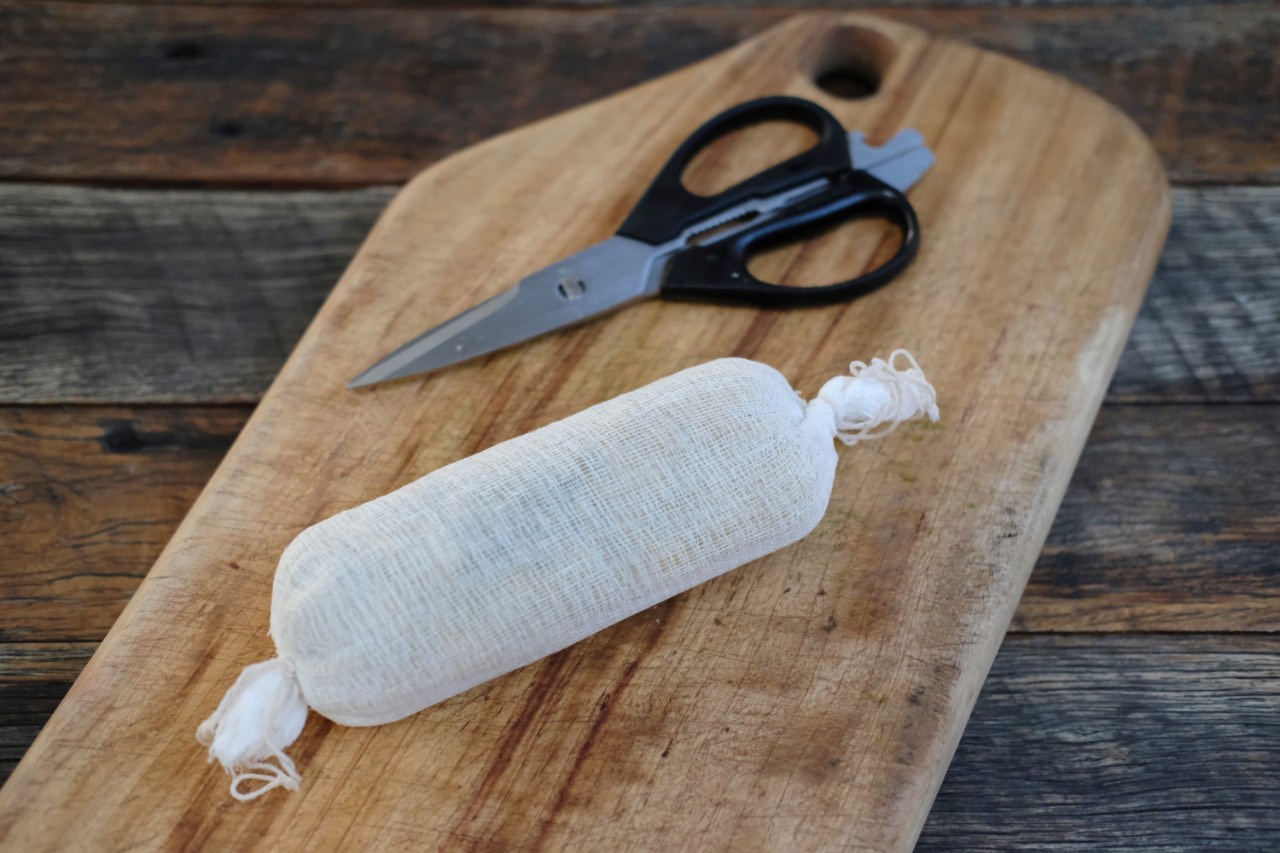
<point x="679" y="244"/>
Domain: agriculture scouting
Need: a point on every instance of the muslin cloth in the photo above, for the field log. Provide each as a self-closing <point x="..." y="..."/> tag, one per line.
<point x="504" y="557"/>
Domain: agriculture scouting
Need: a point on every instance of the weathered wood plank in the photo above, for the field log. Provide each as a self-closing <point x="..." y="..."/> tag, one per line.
<point x="145" y="296"/>
<point x="1171" y="523"/>
<point x="164" y="295"/>
<point x="808" y="5"/>
<point x="1209" y="329"/>
<point x="33" y="679"/>
<point x="1149" y="743"/>
<point x="329" y="96"/>
<point x="88" y="498"/>
<point x="851" y="757"/>
<point x="1216" y="817"/>
<point x="305" y="95"/>
<point x="1118" y="742"/>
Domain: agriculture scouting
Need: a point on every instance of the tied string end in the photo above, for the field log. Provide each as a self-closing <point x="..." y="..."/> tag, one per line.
<point x="284" y="774"/>
<point x="915" y="375"/>
<point x="876" y="397"/>
<point x="263" y="712"/>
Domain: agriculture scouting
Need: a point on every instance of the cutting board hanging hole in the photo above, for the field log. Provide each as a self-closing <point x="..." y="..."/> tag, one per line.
<point x="852" y="63"/>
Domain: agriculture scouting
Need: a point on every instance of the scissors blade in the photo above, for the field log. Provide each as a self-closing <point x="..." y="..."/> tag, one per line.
<point x="584" y="285"/>
<point x="902" y="172"/>
<point x="900" y="162"/>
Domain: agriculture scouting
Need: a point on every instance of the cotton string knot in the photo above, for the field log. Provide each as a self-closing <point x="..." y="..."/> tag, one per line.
<point x="875" y="398"/>
<point x="261" y="714"/>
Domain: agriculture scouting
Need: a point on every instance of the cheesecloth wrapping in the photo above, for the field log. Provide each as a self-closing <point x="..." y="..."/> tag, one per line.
<point x="504" y="557"/>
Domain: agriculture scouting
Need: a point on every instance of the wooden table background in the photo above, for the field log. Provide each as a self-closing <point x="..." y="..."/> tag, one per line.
<point x="181" y="184"/>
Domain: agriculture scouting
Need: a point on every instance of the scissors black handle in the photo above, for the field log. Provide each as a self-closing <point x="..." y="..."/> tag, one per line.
<point x="718" y="270"/>
<point x="667" y="208"/>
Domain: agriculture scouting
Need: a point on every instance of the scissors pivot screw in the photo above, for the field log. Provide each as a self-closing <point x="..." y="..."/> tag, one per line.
<point x="571" y="288"/>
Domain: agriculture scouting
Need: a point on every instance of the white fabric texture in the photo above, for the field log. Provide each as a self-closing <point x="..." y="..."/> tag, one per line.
<point x="262" y="713"/>
<point x="502" y="558"/>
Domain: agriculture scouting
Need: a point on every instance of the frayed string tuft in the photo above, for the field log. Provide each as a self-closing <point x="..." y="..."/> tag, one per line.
<point x="262" y="713"/>
<point x="875" y="398"/>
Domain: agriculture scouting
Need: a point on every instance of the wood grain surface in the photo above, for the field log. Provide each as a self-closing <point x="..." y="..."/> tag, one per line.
<point x="1139" y="544"/>
<point x="146" y="296"/>
<point x="267" y="95"/>
<point x="205" y="303"/>
<point x="33" y="679"/>
<point x="981" y="806"/>
<point x="815" y="696"/>
<point x="88" y="498"/>
<point x="1121" y="742"/>
<point x="1172" y="523"/>
<point x="1064" y="716"/>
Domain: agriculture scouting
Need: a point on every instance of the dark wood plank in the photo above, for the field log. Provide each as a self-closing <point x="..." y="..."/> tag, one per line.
<point x="164" y="295"/>
<point x="33" y="679"/>
<point x="1209" y="329"/>
<point x="312" y="96"/>
<point x="1171" y="523"/>
<point x="304" y="95"/>
<point x="1148" y="743"/>
<point x="145" y="296"/>
<point x="1077" y="743"/>
<point x="88" y="498"/>
<point x="851" y="5"/>
<point x="1118" y="743"/>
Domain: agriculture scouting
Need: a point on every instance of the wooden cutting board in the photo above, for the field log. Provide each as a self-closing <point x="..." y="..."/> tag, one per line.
<point x="809" y="700"/>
